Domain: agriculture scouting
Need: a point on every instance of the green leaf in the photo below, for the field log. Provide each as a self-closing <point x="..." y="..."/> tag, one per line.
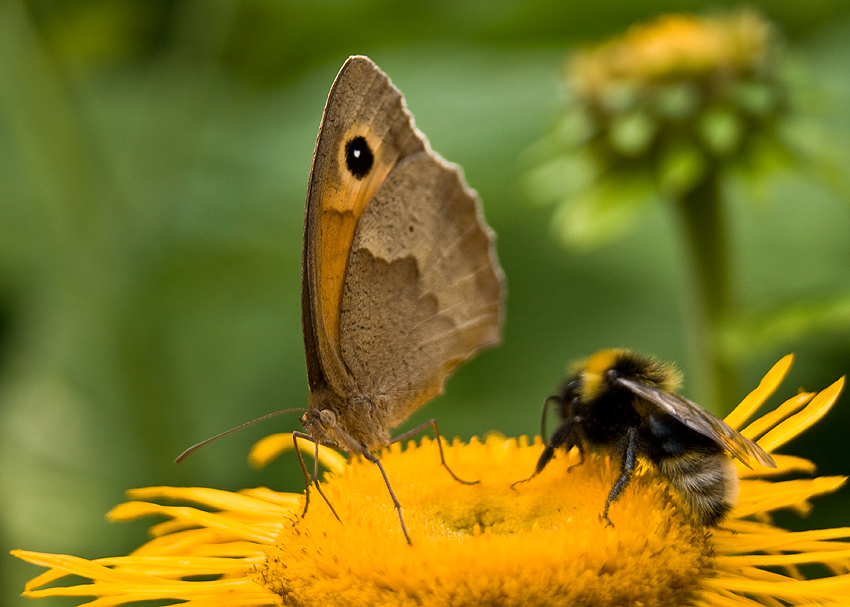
<point x="604" y="212"/>
<point x="720" y="129"/>
<point x="561" y="177"/>
<point x="619" y="97"/>
<point x="758" y="98"/>
<point x="676" y="100"/>
<point x="631" y="134"/>
<point x="681" y="166"/>
<point x="789" y="324"/>
<point x="755" y="172"/>
<point x="817" y="150"/>
<point x="575" y="127"/>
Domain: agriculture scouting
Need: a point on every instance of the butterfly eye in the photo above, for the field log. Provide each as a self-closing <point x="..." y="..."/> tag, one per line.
<point x="358" y="157"/>
<point x="327" y="418"/>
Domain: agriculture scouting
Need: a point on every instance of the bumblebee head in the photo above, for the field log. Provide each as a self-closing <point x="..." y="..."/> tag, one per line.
<point x="594" y="376"/>
<point x="570" y="391"/>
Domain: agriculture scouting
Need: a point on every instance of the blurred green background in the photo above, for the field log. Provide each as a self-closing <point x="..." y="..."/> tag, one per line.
<point x="153" y="166"/>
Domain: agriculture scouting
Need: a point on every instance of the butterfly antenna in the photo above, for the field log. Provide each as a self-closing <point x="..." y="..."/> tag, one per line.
<point x="193" y="448"/>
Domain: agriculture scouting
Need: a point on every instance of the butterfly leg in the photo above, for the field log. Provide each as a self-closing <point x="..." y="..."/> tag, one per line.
<point x="629" y="460"/>
<point x="310" y="480"/>
<point x="433" y="423"/>
<point x="368" y="456"/>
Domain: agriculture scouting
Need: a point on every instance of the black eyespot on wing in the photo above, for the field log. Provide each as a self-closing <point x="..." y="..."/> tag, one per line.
<point x="699" y="420"/>
<point x="358" y="157"/>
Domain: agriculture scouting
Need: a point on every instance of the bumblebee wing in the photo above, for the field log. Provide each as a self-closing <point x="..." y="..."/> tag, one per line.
<point x="699" y="420"/>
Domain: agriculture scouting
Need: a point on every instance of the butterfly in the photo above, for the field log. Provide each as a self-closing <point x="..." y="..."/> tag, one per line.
<point x="400" y="279"/>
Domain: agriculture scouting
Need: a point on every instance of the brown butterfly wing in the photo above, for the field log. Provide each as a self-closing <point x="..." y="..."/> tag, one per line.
<point x="424" y="288"/>
<point x="698" y="419"/>
<point x="362" y="103"/>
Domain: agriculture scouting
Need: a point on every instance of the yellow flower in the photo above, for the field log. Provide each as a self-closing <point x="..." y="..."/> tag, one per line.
<point x="483" y="544"/>
<point x="677" y="46"/>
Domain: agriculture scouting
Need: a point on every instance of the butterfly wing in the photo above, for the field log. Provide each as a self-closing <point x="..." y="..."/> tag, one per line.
<point x="424" y="288"/>
<point x="363" y="104"/>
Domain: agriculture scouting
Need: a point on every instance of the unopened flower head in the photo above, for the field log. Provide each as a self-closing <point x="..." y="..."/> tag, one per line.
<point x="664" y="109"/>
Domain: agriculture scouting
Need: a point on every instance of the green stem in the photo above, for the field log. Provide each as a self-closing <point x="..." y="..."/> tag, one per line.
<point x="703" y="221"/>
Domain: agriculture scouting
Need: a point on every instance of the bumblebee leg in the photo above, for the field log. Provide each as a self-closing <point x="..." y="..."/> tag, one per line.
<point x="560" y="437"/>
<point x="629" y="460"/>
<point x="579" y="438"/>
<point x="552" y="399"/>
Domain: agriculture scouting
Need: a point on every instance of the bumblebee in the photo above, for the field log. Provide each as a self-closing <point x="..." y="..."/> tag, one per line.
<point x="623" y="404"/>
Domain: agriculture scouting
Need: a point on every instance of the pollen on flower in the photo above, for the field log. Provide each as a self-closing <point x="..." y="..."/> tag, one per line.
<point x="535" y="544"/>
